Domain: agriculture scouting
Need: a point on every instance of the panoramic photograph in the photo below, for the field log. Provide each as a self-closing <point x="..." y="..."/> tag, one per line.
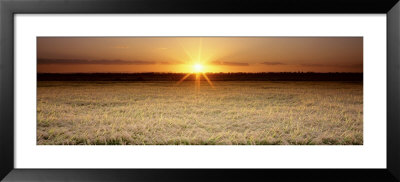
<point x="199" y="91"/>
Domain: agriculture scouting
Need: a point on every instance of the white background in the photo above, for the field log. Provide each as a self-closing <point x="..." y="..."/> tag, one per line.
<point x="370" y="155"/>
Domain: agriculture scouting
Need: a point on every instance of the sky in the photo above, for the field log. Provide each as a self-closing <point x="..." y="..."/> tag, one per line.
<point x="214" y="54"/>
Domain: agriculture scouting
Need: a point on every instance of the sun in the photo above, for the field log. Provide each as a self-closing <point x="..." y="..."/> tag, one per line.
<point x="198" y="68"/>
<point x="198" y="71"/>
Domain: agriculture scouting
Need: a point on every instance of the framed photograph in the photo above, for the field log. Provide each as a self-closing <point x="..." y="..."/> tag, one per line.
<point x="199" y="90"/>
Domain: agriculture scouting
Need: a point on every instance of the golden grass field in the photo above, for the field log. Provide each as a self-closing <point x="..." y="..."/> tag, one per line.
<point x="233" y="113"/>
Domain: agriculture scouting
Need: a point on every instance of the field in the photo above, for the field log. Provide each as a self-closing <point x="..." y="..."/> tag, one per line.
<point x="232" y="113"/>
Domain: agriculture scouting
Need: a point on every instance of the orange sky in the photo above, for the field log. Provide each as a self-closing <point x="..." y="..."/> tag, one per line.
<point x="216" y="54"/>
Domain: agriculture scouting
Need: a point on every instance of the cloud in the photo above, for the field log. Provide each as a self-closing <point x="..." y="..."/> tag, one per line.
<point x="334" y="65"/>
<point x="165" y="62"/>
<point x="229" y="63"/>
<point x="314" y="65"/>
<point x="273" y="63"/>
<point x="120" y="47"/>
<point x="171" y="63"/>
<point x="83" y="61"/>
<point x="355" y="65"/>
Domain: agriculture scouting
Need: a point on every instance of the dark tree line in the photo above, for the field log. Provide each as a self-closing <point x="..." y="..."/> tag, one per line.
<point x="282" y="76"/>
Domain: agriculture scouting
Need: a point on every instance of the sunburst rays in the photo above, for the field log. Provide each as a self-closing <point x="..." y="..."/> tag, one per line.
<point x="183" y="78"/>
<point x="197" y="67"/>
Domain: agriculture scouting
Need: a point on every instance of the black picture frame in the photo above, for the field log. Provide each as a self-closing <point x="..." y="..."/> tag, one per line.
<point x="9" y="8"/>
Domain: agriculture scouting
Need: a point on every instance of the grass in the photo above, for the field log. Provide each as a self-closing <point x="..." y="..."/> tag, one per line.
<point x="234" y="113"/>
